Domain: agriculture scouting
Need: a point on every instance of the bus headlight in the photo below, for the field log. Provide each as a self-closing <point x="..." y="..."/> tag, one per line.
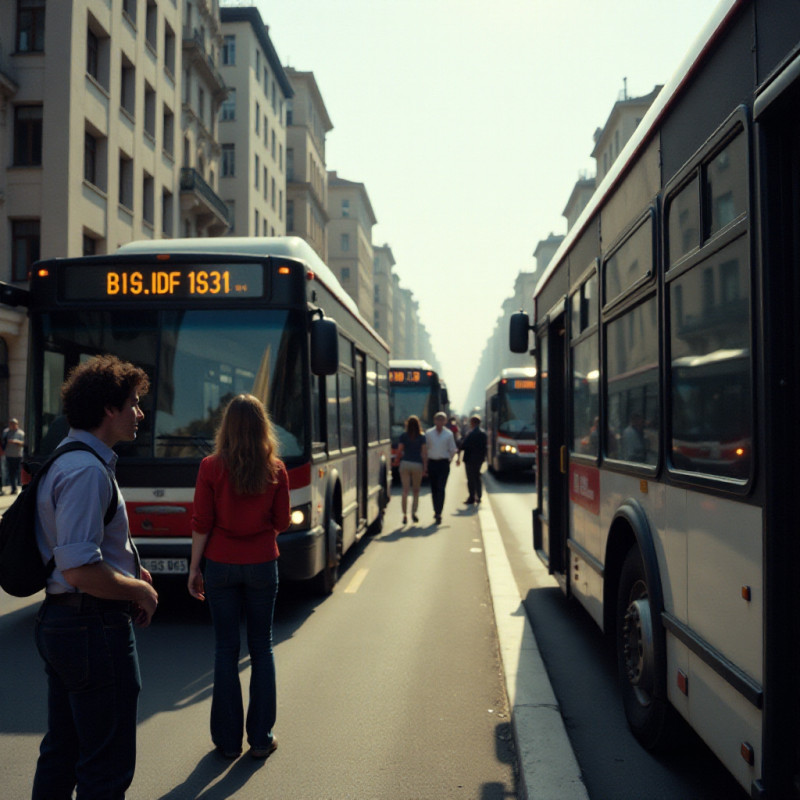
<point x="508" y="449"/>
<point x="300" y="517"/>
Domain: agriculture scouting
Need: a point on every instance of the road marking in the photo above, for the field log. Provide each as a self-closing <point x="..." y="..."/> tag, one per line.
<point x="355" y="584"/>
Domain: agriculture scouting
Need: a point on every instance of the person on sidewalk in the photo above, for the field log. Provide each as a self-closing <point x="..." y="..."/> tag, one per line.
<point x="13" y="443"/>
<point x="412" y="464"/>
<point x="441" y="446"/>
<point x="97" y="590"/>
<point x="241" y="504"/>
<point x="473" y="454"/>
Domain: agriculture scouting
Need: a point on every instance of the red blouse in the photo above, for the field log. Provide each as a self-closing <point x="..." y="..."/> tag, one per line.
<point x="244" y="528"/>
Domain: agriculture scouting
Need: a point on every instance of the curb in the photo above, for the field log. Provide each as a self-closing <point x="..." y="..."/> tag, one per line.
<point x="548" y="769"/>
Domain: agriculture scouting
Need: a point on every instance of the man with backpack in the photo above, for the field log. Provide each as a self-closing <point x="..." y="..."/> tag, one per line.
<point x="95" y="592"/>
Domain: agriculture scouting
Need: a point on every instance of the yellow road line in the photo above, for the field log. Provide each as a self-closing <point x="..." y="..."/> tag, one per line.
<point x="355" y="584"/>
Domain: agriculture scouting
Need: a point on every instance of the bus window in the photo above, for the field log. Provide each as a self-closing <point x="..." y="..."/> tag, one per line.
<point x="346" y="410"/>
<point x="711" y="414"/>
<point x="585" y="397"/>
<point x="372" y="400"/>
<point x="726" y="185"/>
<point x="632" y="384"/>
<point x="684" y="222"/>
<point x="629" y="263"/>
<point x="332" y="403"/>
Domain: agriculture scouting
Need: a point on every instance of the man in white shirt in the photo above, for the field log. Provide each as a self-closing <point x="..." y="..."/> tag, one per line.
<point x="441" y="445"/>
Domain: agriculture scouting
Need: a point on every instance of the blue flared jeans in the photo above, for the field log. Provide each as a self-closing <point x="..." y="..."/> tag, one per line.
<point x="233" y="591"/>
<point x="93" y="689"/>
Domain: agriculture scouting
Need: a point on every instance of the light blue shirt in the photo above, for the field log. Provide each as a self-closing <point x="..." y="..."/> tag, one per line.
<point x="71" y="504"/>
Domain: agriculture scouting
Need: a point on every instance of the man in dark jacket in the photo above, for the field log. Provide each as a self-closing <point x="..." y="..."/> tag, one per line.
<point x="473" y="447"/>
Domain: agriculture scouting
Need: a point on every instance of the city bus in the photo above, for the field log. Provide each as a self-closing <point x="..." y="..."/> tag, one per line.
<point x="414" y="388"/>
<point x="666" y="339"/>
<point x="208" y="319"/>
<point x="511" y="420"/>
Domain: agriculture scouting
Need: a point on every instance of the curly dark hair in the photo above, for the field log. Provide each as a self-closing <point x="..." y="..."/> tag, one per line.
<point x="99" y="383"/>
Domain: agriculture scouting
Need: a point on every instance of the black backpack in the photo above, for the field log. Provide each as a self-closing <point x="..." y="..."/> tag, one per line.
<point x="22" y="571"/>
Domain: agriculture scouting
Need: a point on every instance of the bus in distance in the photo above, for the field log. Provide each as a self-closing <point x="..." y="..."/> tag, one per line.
<point x="414" y="388"/>
<point x="208" y="319"/>
<point x="665" y="337"/>
<point x="511" y="420"/>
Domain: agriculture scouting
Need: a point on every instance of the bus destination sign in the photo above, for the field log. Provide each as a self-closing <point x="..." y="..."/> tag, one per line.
<point x="161" y="282"/>
<point x="405" y="376"/>
<point x="524" y="383"/>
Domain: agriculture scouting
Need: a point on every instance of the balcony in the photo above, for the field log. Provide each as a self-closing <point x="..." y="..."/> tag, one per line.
<point x="199" y="199"/>
<point x="194" y="51"/>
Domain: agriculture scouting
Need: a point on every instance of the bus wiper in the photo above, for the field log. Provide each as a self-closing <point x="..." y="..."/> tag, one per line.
<point x="202" y="443"/>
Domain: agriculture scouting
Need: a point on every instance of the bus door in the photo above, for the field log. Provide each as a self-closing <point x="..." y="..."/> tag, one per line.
<point x="777" y="114"/>
<point x="550" y="520"/>
<point x="362" y="451"/>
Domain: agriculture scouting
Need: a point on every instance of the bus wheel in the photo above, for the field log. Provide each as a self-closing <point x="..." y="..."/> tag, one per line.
<point x="329" y="575"/>
<point x="640" y="660"/>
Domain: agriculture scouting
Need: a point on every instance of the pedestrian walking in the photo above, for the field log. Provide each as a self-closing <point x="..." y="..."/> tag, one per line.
<point x="84" y="630"/>
<point x="441" y="448"/>
<point x="13" y="442"/>
<point x="412" y="464"/>
<point x="241" y="504"/>
<point x="473" y="449"/>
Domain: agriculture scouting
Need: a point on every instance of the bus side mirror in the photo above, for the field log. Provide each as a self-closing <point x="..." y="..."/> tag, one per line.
<point x="518" y="328"/>
<point x="324" y="346"/>
<point x="493" y="402"/>
<point x="445" y="398"/>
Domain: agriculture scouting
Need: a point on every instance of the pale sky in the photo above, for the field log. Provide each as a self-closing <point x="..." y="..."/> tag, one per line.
<point x="469" y="121"/>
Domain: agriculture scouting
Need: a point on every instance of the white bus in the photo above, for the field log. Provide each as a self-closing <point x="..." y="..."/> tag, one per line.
<point x="208" y="319"/>
<point x="666" y="337"/>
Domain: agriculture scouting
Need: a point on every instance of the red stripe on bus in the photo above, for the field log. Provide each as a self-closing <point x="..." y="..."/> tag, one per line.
<point x="300" y="477"/>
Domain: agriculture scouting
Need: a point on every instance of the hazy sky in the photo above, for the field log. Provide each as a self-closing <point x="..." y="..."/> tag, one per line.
<point x="469" y="122"/>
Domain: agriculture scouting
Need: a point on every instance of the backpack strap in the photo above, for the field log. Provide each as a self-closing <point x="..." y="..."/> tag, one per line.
<point x="71" y="447"/>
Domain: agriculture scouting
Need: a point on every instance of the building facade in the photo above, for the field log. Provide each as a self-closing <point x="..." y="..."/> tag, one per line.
<point x="350" y="253"/>
<point x="307" y="125"/>
<point x="108" y="115"/>
<point x="252" y="126"/>
<point x="383" y="321"/>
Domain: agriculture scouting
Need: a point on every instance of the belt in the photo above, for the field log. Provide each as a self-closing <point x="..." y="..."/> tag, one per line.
<point x="87" y="602"/>
<point x="438" y="459"/>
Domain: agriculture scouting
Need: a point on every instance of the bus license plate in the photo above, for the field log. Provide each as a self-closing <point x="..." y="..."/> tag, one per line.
<point x="166" y="566"/>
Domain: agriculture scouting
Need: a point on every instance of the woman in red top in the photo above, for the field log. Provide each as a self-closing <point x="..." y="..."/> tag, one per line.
<point x="241" y="504"/>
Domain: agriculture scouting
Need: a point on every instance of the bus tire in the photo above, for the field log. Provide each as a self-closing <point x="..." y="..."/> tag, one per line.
<point x="334" y="545"/>
<point x="640" y="660"/>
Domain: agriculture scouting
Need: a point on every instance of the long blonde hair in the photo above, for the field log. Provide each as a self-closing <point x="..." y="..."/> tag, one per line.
<point x="246" y="443"/>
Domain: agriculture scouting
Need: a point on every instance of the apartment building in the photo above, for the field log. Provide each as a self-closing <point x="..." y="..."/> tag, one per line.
<point x="252" y="126"/>
<point x="203" y="212"/>
<point x="622" y="121"/>
<point x="307" y="125"/>
<point x="383" y="319"/>
<point x="350" y="253"/>
<point x="108" y="131"/>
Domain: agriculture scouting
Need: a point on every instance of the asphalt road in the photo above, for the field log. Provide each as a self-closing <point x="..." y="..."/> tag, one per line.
<point x="389" y="688"/>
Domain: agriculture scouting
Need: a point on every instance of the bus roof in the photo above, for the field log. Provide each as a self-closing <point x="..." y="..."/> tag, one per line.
<point x="509" y="373"/>
<point x="256" y="246"/>
<point x="646" y="129"/>
<point x="410" y="363"/>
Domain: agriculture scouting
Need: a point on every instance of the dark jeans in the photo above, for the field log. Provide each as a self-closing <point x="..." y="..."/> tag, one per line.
<point x="438" y="471"/>
<point x="474" y="485"/>
<point x="12" y="467"/>
<point x="233" y="589"/>
<point x="93" y="688"/>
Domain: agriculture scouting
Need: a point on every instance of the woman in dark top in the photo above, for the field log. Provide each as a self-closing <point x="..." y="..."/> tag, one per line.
<point x="241" y="504"/>
<point x="412" y="456"/>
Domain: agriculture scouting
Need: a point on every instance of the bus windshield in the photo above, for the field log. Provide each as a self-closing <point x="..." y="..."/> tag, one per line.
<point x="516" y="415"/>
<point x="413" y="399"/>
<point x="197" y="361"/>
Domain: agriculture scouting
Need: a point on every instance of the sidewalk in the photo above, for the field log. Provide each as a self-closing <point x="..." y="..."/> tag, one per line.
<point x="547" y="764"/>
<point x="6" y="500"/>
